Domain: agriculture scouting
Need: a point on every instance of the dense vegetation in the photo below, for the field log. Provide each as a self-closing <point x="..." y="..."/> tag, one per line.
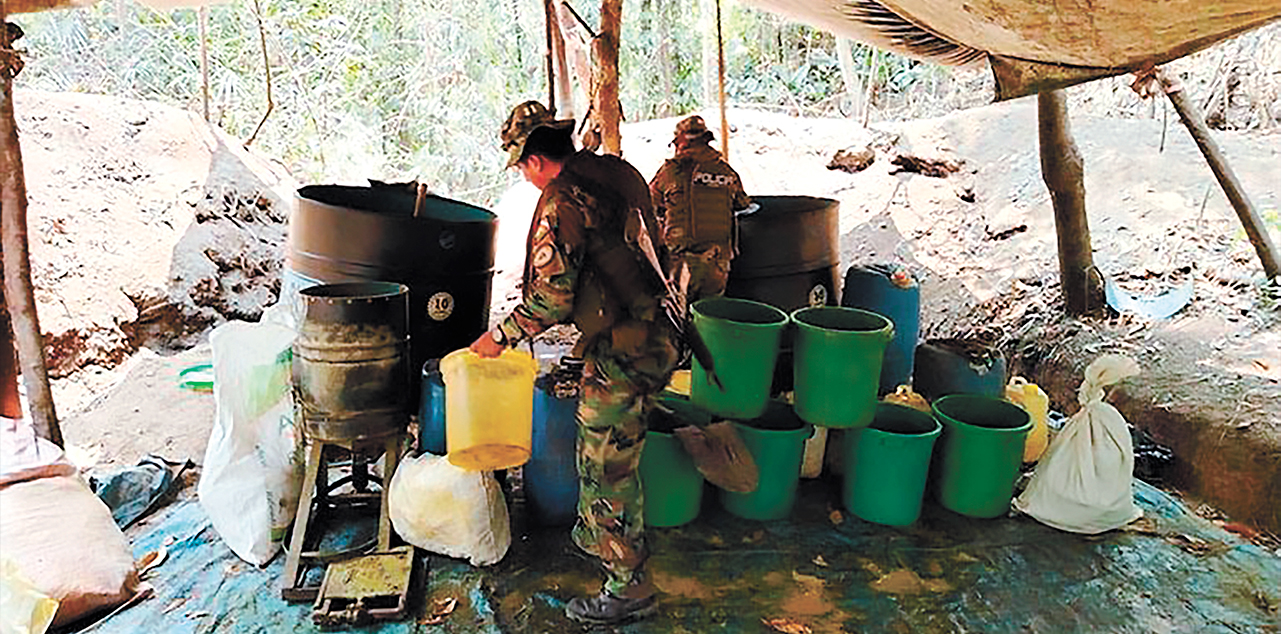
<point x="395" y="89"/>
<point x="401" y="89"/>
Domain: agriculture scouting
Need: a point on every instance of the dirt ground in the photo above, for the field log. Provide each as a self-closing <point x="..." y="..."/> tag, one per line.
<point x="151" y="228"/>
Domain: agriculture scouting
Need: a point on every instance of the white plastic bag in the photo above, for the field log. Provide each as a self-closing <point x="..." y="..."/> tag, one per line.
<point x="24" y="609"/>
<point x="1084" y="482"/>
<point x="63" y="539"/>
<point x="252" y="471"/>
<point x="25" y="456"/>
<point x="444" y="509"/>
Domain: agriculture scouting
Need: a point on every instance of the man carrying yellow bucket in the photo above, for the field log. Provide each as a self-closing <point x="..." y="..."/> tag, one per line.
<point x="586" y="263"/>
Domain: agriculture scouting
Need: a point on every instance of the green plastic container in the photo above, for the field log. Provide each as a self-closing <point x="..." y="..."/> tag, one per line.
<point x="886" y="465"/>
<point x="776" y="441"/>
<point x="837" y="364"/>
<point x="978" y="461"/>
<point x="743" y="338"/>
<point x="672" y="486"/>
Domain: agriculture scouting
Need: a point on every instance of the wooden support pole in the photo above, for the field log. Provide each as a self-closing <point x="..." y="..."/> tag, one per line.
<point x="608" y="109"/>
<point x="1064" y="174"/>
<point x="1250" y="220"/>
<point x="550" y="53"/>
<point x="564" y="88"/>
<point x="18" y="293"/>
<point x="720" y="82"/>
<point x="10" y="404"/>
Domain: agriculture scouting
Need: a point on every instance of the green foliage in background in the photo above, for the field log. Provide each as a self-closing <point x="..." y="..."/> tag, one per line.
<point x="393" y="89"/>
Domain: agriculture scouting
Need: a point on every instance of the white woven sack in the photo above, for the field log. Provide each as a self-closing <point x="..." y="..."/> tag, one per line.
<point x="1084" y="482"/>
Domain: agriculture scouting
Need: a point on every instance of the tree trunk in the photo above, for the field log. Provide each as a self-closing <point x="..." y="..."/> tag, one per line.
<point x="871" y="86"/>
<point x="1254" y="227"/>
<point x="1064" y="175"/>
<point x="575" y="38"/>
<point x="707" y="18"/>
<point x="845" y="56"/>
<point x="10" y="404"/>
<point x="18" y="294"/>
<point x="564" y="88"/>
<point x="666" y="106"/>
<point x="608" y="110"/>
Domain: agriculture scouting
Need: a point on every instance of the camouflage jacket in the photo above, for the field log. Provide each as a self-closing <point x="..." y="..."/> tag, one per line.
<point x="695" y="195"/>
<point x="582" y="264"/>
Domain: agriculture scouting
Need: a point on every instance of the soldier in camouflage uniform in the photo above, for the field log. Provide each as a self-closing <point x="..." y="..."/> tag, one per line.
<point x="695" y="195"/>
<point x="584" y="265"/>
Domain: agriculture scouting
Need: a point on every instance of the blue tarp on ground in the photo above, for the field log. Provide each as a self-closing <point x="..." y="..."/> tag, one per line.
<point x="820" y="568"/>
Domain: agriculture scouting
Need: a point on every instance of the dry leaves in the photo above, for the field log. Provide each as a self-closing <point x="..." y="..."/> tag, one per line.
<point x="787" y="626"/>
<point x="440" y="609"/>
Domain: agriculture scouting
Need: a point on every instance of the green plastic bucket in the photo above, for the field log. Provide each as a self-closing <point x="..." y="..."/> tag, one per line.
<point x="982" y="448"/>
<point x="886" y="465"/>
<point x="837" y="364"/>
<point x="743" y="339"/>
<point x="672" y="486"/>
<point x="776" y="441"/>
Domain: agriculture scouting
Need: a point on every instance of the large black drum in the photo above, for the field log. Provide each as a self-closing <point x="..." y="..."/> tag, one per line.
<point x="442" y="249"/>
<point x="788" y="253"/>
<point x="788" y="257"/>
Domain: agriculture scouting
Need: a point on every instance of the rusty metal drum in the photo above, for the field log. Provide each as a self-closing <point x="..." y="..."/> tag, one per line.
<point x="351" y="366"/>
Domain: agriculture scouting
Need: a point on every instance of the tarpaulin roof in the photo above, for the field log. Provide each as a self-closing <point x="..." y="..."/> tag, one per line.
<point x="1034" y="45"/>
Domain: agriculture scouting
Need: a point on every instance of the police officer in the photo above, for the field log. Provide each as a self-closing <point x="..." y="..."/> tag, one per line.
<point x="591" y="261"/>
<point x="695" y="195"/>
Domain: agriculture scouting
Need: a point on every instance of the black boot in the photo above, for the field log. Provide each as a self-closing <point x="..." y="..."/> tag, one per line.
<point x="606" y="609"/>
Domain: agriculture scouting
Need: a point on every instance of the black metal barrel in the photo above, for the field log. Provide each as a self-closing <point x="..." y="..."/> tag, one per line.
<point x="789" y="258"/>
<point x="788" y="252"/>
<point x="442" y="249"/>
<point x="351" y="361"/>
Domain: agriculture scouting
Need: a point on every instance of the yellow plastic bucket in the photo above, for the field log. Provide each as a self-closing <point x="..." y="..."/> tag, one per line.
<point x="489" y="407"/>
<point x="679" y="383"/>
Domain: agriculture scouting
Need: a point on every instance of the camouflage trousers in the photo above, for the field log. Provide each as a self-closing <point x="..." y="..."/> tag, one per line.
<point x="619" y="381"/>
<point x="708" y="271"/>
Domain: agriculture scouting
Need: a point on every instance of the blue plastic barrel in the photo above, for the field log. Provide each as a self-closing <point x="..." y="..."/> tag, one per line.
<point x="431" y="410"/>
<point x="551" y="475"/>
<point x="889" y="290"/>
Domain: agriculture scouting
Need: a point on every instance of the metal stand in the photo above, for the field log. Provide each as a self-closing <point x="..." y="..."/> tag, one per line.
<point x="318" y="497"/>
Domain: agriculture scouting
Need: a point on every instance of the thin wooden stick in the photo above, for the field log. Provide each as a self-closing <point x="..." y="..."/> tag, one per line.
<point x="548" y="8"/>
<point x="266" y="65"/>
<point x="720" y="68"/>
<point x="871" y="83"/>
<point x="1249" y="216"/>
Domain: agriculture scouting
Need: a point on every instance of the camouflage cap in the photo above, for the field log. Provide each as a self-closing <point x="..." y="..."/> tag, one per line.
<point x="692" y="128"/>
<point x="523" y="120"/>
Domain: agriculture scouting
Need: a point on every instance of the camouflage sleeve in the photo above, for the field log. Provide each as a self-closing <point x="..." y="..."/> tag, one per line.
<point x="658" y="188"/>
<point x="554" y="261"/>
